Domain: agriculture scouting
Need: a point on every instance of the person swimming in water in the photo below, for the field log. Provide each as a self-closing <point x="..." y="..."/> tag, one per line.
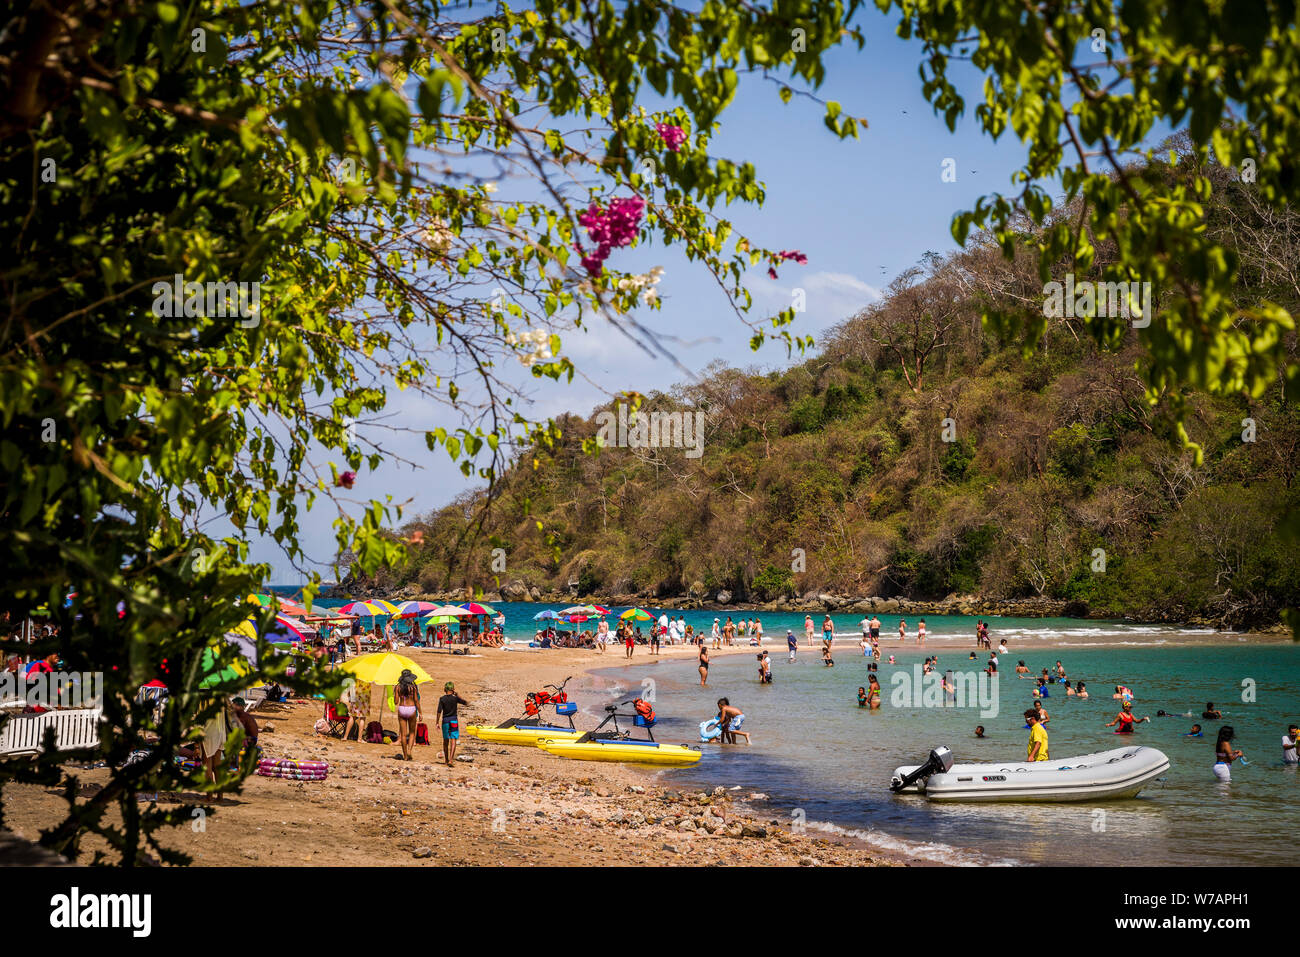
<point x="1080" y="689"/>
<point x="1196" y="732"/>
<point x="862" y="697"/>
<point x="1021" y="667"/>
<point x="1126" y="719"/>
<point x="1211" y="713"/>
<point x="979" y="730"/>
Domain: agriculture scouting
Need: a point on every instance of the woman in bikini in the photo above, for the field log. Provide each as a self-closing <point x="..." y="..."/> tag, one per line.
<point x="704" y="666"/>
<point x="873" y="691"/>
<point x="1225" y="753"/>
<point x="407" y="698"/>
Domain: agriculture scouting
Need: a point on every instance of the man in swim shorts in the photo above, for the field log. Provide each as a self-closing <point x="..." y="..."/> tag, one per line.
<point x="791" y="642"/>
<point x="449" y="720"/>
<point x="727" y="713"/>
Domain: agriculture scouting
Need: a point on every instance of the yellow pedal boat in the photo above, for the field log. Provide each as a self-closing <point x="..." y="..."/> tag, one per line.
<point x="633" y="752"/>
<point x="526" y="735"/>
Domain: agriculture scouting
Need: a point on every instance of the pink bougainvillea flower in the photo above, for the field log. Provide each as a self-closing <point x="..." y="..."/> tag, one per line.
<point x="346" y="479"/>
<point x="608" y="228"/>
<point x="783" y="256"/>
<point x="673" y="136"/>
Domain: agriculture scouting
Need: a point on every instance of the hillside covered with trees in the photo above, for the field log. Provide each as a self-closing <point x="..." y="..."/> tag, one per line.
<point x="1056" y="477"/>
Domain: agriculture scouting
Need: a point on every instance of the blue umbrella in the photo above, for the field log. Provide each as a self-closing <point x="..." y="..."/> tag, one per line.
<point x="548" y="614"/>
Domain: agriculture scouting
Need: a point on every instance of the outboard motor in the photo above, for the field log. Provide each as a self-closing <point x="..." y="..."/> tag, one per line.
<point x="939" y="762"/>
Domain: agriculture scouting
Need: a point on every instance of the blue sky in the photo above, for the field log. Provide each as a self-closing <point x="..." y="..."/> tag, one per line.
<point x="861" y="210"/>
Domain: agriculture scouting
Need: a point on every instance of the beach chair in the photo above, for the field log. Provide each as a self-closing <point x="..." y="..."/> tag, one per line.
<point x="337" y="722"/>
<point x="74" y="730"/>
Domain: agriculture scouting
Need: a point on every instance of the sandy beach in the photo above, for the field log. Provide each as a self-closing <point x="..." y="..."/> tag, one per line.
<point x="497" y="806"/>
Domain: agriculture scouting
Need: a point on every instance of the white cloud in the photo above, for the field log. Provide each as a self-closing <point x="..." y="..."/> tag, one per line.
<point x="829" y="296"/>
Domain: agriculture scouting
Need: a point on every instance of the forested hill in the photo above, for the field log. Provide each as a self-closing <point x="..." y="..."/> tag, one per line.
<point x="1053" y="477"/>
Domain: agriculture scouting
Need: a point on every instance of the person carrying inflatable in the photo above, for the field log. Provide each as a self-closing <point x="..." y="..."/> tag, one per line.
<point x="725" y="726"/>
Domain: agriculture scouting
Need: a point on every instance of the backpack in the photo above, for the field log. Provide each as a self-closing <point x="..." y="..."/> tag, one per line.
<point x="421" y="733"/>
<point x="375" y="733"/>
<point x="644" y="711"/>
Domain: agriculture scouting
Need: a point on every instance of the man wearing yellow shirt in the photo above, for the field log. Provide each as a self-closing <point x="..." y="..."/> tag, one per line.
<point x="1037" y="736"/>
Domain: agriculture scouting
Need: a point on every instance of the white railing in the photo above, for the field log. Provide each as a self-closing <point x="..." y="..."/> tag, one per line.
<point x="74" y="729"/>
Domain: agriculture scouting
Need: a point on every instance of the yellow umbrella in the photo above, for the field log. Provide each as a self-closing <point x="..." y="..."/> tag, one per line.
<point x="384" y="668"/>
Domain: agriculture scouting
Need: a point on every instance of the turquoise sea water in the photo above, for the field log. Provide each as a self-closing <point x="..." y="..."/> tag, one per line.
<point x="816" y="751"/>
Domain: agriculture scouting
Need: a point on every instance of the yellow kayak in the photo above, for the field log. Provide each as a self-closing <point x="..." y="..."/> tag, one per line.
<point x="636" y="752"/>
<point x="526" y="735"/>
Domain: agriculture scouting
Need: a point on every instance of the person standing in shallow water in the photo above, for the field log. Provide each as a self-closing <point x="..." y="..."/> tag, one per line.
<point x="704" y="666"/>
<point x="1037" y="750"/>
<point x="1225" y="753"/>
<point x="873" y="691"/>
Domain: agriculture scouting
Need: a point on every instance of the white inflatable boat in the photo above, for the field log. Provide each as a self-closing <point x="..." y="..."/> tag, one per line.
<point x="1120" y="773"/>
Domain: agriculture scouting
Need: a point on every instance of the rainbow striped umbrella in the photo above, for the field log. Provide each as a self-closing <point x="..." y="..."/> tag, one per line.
<point x="371" y="606"/>
<point x="474" y="608"/>
<point x="410" y="609"/>
<point x="637" y="614"/>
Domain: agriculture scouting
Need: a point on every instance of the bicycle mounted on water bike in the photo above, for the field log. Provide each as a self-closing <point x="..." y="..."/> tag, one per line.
<point x="534" y="701"/>
<point x="643" y="716"/>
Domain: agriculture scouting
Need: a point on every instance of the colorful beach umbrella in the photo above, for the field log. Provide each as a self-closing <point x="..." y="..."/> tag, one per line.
<point x="286" y="605"/>
<point x="286" y="630"/>
<point x="384" y="668"/>
<point x="370" y="606"/>
<point x="474" y="608"/>
<point x="447" y="611"/>
<point x="216" y="672"/>
<point x="592" y="611"/>
<point x="637" y="614"/>
<point x="547" y="615"/>
<point x="411" y="609"/>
